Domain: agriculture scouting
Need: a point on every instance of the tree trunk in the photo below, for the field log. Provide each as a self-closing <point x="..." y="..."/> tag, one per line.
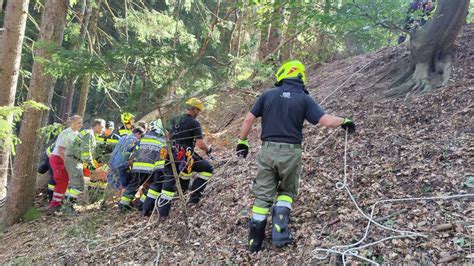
<point x="286" y="53"/>
<point x="11" y="42"/>
<point x="22" y="186"/>
<point x="86" y="79"/>
<point x="70" y="85"/>
<point x="432" y="46"/>
<point x="274" y="36"/>
<point x="264" y="32"/>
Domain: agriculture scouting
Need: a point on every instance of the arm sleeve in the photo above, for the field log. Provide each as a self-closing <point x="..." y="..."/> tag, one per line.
<point x="87" y="148"/>
<point x="314" y="112"/>
<point x="61" y="141"/>
<point x="257" y="108"/>
<point x="197" y="132"/>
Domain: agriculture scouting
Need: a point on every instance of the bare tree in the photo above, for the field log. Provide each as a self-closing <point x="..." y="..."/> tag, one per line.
<point x="21" y="188"/>
<point x="11" y="42"/>
<point x="431" y="49"/>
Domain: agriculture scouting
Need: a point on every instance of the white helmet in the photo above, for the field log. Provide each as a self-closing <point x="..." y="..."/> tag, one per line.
<point x="157" y="127"/>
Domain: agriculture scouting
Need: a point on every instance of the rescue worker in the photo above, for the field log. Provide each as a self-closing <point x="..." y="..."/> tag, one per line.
<point x="80" y="156"/>
<point x="58" y="158"/>
<point x="283" y="109"/>
<point x="44" y="167"/>
<point x="149" y="163"/>
<point x="105" y="145"/>
<point x="186" y="133"/>
<point x="106" y="142"/>
<point x="414" y="20"/>
<point x="119" y="173"/>
<point x="128" y="121"/>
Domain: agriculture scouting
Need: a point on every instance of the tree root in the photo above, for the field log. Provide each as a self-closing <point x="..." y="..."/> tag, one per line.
<point x="419" y="81"/>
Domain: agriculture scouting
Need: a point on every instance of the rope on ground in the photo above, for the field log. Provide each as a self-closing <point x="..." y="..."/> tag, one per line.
<point x="352" y="249"/>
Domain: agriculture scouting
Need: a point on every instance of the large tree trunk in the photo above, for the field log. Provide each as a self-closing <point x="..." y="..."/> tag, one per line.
<point x="21" y="189"/>
<point x="86" y="79"/>
<point x="274" y="36"/>
<point x="431" y="48"/>
<point x="11" y="42"/>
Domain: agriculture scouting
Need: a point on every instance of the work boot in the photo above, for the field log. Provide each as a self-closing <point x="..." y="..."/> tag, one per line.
<point x="280" y="226"/>
<point x="164" y="207"/>
<point x="256" y="234"/>
<point x="123" y="207"/>
<point x="148" y="206"/>
<point x="49" y="194"/>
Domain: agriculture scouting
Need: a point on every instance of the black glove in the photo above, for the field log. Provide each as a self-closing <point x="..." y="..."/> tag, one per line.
<point x="349" y="125"/>
<point x="208" y="152"/>
<point x="242" y="148"/>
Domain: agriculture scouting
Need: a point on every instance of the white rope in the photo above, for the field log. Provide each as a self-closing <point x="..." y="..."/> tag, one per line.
<point x="352" y="249"/>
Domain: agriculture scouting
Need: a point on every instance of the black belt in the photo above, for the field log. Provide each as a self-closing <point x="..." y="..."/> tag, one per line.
<point x="281" y="145"/>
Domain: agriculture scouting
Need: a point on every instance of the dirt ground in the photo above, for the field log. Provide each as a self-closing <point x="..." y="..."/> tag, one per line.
<point x="417" y="145"/>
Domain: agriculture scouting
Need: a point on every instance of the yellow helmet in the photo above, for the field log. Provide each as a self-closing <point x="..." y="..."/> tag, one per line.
<point x="126" y="117"/>
<point x="195" y="102"/>
<point x="291" y="69"/>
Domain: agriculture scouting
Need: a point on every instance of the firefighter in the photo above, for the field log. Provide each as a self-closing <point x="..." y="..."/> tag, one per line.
<point x="128" y="121"/>
<point x="80" y="156"/>
<point x="105" y="145"/>
<point x="147" y="164"/>
<point x="106" y="142"/>
<point x="186" y="133"/>
<point x="119" y="173"/>
<point x="283" y="109"/>
<point x="45" y="167"/>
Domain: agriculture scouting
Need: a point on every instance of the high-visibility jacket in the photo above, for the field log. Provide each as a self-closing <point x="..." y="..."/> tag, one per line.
<point x="83" y="147"/>
<point x="105" y="146"/>
<point x="150" y="154"/>
<point x="123" y="131"/>
<point x="50" y="149"/>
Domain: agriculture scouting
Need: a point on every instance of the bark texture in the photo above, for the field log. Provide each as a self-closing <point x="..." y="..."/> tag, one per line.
<point x="11" y="42"/>
<point x="21" y="188"/>
<point x="86" y="79"/>
<point x="70" y="85"/>
<point x="431" y="49"/>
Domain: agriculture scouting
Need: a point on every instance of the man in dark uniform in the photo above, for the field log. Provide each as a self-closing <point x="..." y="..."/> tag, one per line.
<point x="186" y="133"/>
<point x="283" y="110"/>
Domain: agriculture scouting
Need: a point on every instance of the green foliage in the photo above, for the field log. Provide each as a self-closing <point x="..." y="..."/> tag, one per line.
<point x="31" y="214"/>
<point x="50" y="131"/>
<point x="7" y="137"/>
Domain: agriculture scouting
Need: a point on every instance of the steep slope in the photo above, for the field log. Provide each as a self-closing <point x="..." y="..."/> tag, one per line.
<point x="419" y="145"/>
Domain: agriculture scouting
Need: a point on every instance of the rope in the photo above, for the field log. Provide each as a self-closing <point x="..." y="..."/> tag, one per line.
<point x="352" y="249"/>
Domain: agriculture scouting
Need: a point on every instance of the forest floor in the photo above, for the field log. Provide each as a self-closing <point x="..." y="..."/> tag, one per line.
<point x="418" y="145"/>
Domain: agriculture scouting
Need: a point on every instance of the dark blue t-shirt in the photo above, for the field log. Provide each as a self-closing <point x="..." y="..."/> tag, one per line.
<point x="283" y="110"/>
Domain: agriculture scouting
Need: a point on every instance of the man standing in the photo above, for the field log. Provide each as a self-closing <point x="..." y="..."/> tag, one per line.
<point x="57" y="160"/>
<point x="283" y="110"/>
<point x="82" y="151"/>
<point x="185" y="134"/>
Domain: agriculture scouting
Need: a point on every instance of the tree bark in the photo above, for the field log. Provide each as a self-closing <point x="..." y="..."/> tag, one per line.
<point x="86" y="79"/>
<point x="11" y="42"/>
<point x="22" y="186"/>
<point x="70" y="84"/>
<point x="432" y="46"/>
<point x="286" y="53"/>
<point x="274" y="36"/>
